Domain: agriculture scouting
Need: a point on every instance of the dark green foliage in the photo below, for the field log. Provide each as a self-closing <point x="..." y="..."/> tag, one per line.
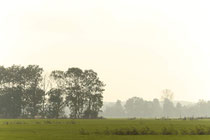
<point x="184" y="131"/>
<point x="169" y="131"/>
<point x="20" y="91"/>
<point x="166" y="130"/>
<point x="83" y="132"/>
<point x="33" y="101"/>
<point x="10" y="102"/>
<point x="200" y="130"/>
<point x="147" y="131"/>
<point x="24" y="95"/>
<point x="83" y="91"/>
<point x="55" y="103"/>
<point x="112" y="129"/>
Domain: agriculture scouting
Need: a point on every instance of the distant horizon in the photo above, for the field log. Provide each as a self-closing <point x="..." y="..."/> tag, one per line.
<point x="104" y="69"/>
<point x="138" y="48"/>
<point x="114" y="100"/>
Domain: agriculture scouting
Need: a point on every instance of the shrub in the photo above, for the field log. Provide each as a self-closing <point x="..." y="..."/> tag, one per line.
<point x="97" y="132"/>
<point x="125" y="131"/>
<point x="107" y="131"/>
<point x="192" y="132"/>
<point x="169" y="131"/>
<point x="19" y="122"/>
<point x="47" y="122"/>
<point x="200" y="130"/>
<point x="119" y="132"/>
<point x="37" y="122"/>
<point x="208" y="131"/>
<point x="184" y="132"/>
<point x="134" y="131"/>
<point x="6" y="123"/>
<point x="83" y="132"/>
<point x="73" y="122"/>
<point x="147" y="131"/>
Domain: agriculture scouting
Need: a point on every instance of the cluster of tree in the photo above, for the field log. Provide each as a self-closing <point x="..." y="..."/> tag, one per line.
<point x="25" y="93"/>
<point x="140" y="108"/>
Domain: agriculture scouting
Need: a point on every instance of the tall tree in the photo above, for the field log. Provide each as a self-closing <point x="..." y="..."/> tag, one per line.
<point x="75" y="98"/>
<point x="93" y="89"/>
<point x="10" y="102"/>
<point x="168" y="106"/>
<point x="115" y="111"/>
<point x="179" y="110"/>
<point x="157" y="110"/>
<point x="134" y="107"/>
<point x="56" y="103"/>
<point x="33" y="95"/>
<point x="11" y="91"/>
<point x="83" y="91"/>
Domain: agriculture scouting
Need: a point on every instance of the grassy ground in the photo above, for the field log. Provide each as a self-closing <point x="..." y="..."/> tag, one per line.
<point x="71" y="129"/>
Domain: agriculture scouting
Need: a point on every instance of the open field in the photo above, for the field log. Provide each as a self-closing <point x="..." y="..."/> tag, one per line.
<point x="104" y="129"/>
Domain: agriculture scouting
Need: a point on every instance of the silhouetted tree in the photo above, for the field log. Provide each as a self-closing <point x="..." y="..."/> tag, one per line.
<point x="23" y="92"/>
<point x="10" y="102"/>
<point x="33" y="95"/>
<point x="93" y="89"/>
<point x="179" y="110"/>
<point x="168" y="108"/>
<point x="83" y="91"/>
<point x="134" y="107"/>
<point x="115" y="111"/>
<point x="167" y="94"/>
<point x="157" y="110"/>
<point x="56" y="103"/>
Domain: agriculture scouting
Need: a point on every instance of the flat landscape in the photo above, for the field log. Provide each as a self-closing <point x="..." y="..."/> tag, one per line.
<point x="104" y="129"/>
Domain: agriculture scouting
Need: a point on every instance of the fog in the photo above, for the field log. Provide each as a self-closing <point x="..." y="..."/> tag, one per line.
<point x="136" y="107"/>
<point x="138" y="48"/>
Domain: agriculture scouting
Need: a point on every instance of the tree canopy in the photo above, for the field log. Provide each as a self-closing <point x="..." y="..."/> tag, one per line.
<point x="23" y="93"/>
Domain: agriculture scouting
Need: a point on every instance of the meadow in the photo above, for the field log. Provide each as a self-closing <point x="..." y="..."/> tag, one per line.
<point x="104" y="129"/>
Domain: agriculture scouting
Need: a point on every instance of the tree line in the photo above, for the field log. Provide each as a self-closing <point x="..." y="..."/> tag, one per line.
<point x="25" y="92"/>
<point x="164" y="108"/>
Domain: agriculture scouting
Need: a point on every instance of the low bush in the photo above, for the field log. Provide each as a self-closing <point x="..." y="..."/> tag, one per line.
<point x="200" y="130"/>
<point x="197" y="130"/>
<point x="147" y="131"/>
<point x="47" y="122"/>
<point x="184" y="131"/>
<point x="83" y="132"/>
<point x="169" y="131"/>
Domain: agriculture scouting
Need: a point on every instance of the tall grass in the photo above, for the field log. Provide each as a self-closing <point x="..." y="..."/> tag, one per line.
<point x="197" y="130"/>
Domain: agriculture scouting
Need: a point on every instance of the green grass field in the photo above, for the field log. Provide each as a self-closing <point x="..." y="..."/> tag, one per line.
<point x="19" y="129"/>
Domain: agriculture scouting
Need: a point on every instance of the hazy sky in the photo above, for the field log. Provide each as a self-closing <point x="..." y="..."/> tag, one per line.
<point x="138" y="47"/>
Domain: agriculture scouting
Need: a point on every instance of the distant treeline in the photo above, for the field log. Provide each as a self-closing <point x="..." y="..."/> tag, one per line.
<point x="25" y="92"/>
<point x="140" y="108"/>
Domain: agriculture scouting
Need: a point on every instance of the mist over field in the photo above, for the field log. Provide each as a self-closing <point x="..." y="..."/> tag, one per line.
<point x="138" y="48"/>
<point x="104" y="69"/>
<point x="136" y="107"/>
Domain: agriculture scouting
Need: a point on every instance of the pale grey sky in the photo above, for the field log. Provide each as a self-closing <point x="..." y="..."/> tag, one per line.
<point x="137" y="47"/>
